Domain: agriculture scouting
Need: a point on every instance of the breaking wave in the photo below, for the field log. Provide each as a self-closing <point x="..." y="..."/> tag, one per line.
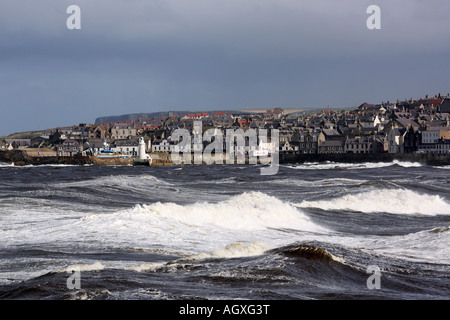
<point x="430" y="245"/>
<point x="248" y="211"/>
<point x="6" y="164"/>
<point x="122" y="181"/>
<point x="442" y="167"/>
<point x="395" y="201"/>
<point x="96" y="266"/>
<point x="340" y="165"/>
<point x="234" y="250"/>
<point x="252" y="217"/>
<point x="311" y="252"/>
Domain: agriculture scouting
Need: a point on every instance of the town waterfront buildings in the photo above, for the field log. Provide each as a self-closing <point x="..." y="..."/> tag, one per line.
<point x="409" y="126"/>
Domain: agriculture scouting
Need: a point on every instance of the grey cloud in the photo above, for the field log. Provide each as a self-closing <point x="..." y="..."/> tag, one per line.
<point x="144" y="55"/>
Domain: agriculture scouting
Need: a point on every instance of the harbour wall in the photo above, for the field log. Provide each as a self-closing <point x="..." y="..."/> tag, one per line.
<point x="21" y="158"/>
<point x="426" y="159"/>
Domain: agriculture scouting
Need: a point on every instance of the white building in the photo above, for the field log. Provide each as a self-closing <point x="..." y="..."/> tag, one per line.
<point x="441" y="146"/>
<point x="127" y="147"/>
<point x="433" y="134"/>
<point x="161" y="146"/>
<point x="395" y="138"/>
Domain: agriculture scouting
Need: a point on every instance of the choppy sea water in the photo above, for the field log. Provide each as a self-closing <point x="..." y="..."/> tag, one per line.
<point x="312" y="231"/>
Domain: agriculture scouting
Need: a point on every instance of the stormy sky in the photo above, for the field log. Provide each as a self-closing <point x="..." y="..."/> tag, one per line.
<point x="158" y="55"/>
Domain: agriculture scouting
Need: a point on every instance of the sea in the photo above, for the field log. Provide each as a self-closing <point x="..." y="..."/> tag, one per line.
<point x="312" y="231"/>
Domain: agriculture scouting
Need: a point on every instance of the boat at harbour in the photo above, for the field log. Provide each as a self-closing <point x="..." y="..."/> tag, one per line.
<point x="108" y="153"/>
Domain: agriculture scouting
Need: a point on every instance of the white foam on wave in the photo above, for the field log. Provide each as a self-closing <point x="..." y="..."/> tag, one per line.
<point x="395" y="201"/>
<point x="235" y="250"/>
<point x="333" y="182"/>
<point x="428" y="246"/>
<point x="125" y="181"/>
<point x="442" y="167"/>
<point x="116" y="265"/>
<point x="5" y="164"/>
<point x="199" y="227"/>
<point x="252" y="217"/>
<point x="61" y="165"/>
<point x="151" y="266"/>
<point x="425" y="246"/>
<point x="407" y="164"/>
<point x="342" y="165"/>
<point x="96" y="266"/>
<point x="248" y="211"/>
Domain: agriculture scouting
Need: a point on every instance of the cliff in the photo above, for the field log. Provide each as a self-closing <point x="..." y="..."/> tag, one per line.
<point x="132" y="116"/>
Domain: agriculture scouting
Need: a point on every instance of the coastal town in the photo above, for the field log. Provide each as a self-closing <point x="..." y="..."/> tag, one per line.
<point x="420" y="126"/>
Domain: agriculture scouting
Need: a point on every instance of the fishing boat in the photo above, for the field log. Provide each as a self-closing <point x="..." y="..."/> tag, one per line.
<point x="108" y="153"/>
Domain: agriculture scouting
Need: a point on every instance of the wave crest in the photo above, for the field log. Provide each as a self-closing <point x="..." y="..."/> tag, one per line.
<point x="309" y="252"/>
<point x="397" y="201"/>
<point x="248" y="211"/>
<point x="234" y="250"/>
<point x="342" y="165"/>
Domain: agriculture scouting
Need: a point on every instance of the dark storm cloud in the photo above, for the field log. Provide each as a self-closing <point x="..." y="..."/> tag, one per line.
<point x="142" y="56"/>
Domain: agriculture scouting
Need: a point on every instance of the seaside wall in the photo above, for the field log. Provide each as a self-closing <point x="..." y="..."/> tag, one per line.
<point x="111" y="161"/>
<point x="23" y="158"/>
<point x="286" y="158"/>
<point x="427" y="159"/>
<point x="20" y="158"/>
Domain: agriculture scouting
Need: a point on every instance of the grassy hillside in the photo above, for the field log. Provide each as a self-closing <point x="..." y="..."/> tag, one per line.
<point x="23" y="135"/>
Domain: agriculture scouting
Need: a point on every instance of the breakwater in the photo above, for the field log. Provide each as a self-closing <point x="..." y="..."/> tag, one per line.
<point x="21" y="158"/>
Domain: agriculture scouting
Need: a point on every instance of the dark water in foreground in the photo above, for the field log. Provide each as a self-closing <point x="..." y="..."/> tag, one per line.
<point x="225" y="232"/>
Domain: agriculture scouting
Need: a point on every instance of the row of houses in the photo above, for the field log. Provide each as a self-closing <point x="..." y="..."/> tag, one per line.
<point x="10" y="144"/>
<point x="421" y="126"/>
<point x="396" y="139"/>
<point x="69" y="147"/>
